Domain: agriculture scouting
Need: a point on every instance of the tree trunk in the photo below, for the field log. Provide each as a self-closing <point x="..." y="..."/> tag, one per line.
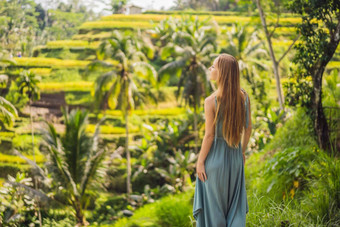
<point x="32" y="129"/>
<point x="128" y="180"/>
<point x="272" y="56"/>
<point x="81" y="221"/>
<point x="196" y="100"/>
<point x="34" y="178"/>
<point x="195" y="128"/>
<point x="320" y="121"/>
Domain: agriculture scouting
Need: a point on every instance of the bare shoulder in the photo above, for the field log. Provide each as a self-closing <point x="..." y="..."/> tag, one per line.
<point x="209" y="102"/>
<point x="210" y="99"/>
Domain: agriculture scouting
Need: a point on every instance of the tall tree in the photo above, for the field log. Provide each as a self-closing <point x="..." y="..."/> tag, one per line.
<point x="269" y="35"/>
<point x="193" y="44"/>
<point x="123" y="79"/>
<point x="320" y="37"/>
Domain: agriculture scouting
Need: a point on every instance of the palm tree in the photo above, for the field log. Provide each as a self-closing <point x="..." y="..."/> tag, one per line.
<point x="28" y="84"/>
<point x="193" y="45"/>
<point x="123" y="79"/>
<point x="75" y="158"/>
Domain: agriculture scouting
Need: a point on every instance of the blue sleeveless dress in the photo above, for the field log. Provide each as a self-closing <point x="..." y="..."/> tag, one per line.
<point x="221" y="201"/>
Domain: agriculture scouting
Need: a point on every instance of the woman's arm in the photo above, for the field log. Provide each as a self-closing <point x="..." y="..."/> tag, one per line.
<point x="209" y="129"/>
<point x="247" y="132"/>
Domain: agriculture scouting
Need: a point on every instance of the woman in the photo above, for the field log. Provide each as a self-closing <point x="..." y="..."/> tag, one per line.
<point x="220" y="198"/>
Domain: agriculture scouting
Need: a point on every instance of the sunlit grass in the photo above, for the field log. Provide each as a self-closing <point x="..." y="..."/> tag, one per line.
<point x="50" y="62"/>
<point x="66" y="86"/>
<point x="72" y="43"/>
<point x="4" y="158"/>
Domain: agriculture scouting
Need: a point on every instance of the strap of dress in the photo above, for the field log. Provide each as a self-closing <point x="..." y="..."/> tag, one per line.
<point x="247" y="111"/>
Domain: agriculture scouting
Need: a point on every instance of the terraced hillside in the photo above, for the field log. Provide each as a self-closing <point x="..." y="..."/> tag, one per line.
<point x="61" y="65"/>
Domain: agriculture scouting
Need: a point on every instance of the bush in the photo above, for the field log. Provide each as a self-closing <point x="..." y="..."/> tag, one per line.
<point x="297" y="132"/>
<point x="323" y="197"/>
<point x="288" y="171"/>
<point x="175" y="210"/>
<point x="107" y="209"/>
<point x="172" y="210"/>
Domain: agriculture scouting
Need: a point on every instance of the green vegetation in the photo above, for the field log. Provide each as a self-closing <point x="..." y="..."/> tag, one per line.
<point x="124" y="151"/>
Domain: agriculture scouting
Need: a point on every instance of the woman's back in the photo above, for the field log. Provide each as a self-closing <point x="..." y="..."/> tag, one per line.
<point x="221" y="200"/>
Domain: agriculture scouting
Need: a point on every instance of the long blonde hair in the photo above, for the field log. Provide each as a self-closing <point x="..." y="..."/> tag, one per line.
<point x="230" y="101"/>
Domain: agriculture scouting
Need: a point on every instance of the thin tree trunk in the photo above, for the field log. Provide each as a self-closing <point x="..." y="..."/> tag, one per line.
<point x="196" y="100"/>
<point x="81" y="221"/>
<point x="32" y="129"/>
<point x="272" y="56"/>
<point x="34" y="178"/>
<point x="128" y="180"/>
<point x="320" y="121"/>
<point x="195" y="129"/>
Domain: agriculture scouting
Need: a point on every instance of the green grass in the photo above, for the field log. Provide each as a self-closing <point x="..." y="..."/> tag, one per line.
<point x="4" y="158"/>
<point x="143" y="21"/>
<point x="49" y="62"/>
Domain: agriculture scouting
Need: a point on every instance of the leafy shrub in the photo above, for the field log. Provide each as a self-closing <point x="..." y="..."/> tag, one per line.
<point x="16" y="208"/>
<point x="61" y="217"/>
<point x="107" y="209"/>
<point x="291" y="153"/>
<point x="172" y="210"/>
<point x="323" y="197"/>
<point x="288" y="170"/>
<point x="297" y="132"/>
<point x="175" y="210"/>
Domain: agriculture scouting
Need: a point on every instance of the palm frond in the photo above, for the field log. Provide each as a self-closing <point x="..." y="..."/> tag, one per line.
<point x="57" y="155"/>
<point x="8" y="112"/>
<point x="146" y="70"/>
<point x="101" y="83"/>
<point x="93" y="159"/>
<point x="38" y="171"/>
<point x="113" y="93"/>
<point x="95" y="65"/>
